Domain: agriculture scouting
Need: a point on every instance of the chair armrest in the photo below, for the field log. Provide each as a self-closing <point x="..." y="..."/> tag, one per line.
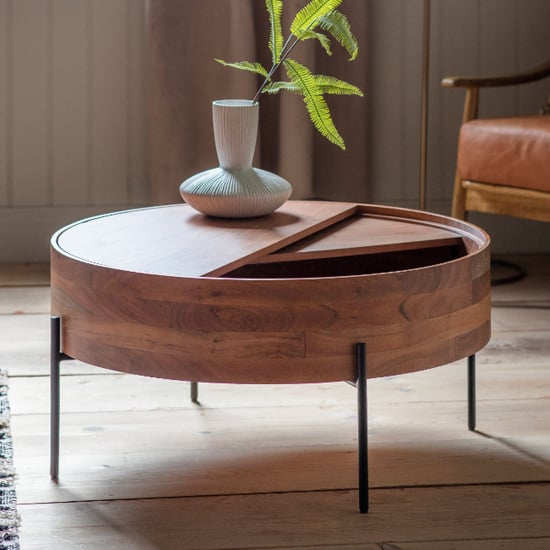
<point x="536" y="73"/>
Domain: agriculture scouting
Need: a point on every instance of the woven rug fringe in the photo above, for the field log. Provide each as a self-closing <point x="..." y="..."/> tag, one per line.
<point x="9" y="518"/>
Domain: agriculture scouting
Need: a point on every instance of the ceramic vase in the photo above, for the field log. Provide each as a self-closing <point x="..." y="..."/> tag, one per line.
<point x="235" y="189"/>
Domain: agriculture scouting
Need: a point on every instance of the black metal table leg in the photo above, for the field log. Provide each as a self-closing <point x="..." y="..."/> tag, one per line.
<point x="56" y="356"/>
<point x="195" y="392"/>
<point x="55" y="343"/>
<point x="362" y="427"/>
<point x="472" y="392"/>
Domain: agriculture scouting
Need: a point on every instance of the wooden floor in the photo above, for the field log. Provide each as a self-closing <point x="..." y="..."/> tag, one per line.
<point x="275" y="466"/>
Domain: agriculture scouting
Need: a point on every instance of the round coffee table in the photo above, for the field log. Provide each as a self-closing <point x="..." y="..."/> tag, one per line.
<point x="286" y="298"/>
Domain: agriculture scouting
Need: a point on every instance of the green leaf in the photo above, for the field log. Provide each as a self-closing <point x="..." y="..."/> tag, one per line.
<point x="337" y="24"/>
<point x="246" y="66"/>
<point x="323" y="39"/>
<point x="331" y="85"/>
<point x="327" y="85"/>
<point x="275" y="10"/>
<point x="308" y="17"/>
<point x="276" y="87"/>
<point x="316" y="105"/>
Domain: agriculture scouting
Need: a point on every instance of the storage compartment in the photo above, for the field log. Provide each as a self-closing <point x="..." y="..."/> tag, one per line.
<point x="361" y="264"/>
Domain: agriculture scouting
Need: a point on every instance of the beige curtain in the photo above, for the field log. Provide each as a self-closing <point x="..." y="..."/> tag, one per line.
<point x="184" y="37"/>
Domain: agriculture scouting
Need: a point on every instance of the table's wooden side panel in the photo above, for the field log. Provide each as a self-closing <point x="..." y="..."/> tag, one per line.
<point x="269" y="331"/>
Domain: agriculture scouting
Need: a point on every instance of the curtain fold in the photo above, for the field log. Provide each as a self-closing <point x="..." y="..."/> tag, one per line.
<point x="184" y="37"/>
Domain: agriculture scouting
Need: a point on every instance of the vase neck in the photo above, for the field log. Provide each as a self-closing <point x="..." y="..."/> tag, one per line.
<point x="235" y="131"/>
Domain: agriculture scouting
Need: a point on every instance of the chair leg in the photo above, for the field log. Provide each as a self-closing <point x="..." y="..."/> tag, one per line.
<point x="459" y="199"/>
<point x="472" y="392"/>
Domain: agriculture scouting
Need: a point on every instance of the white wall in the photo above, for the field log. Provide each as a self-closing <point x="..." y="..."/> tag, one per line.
<point x="73" y="128"/>
<point x="72" y="125"/>
<point x="468" y="37"/>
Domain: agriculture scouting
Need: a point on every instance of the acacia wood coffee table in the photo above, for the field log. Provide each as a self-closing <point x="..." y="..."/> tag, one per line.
<point x="314" y="292"/>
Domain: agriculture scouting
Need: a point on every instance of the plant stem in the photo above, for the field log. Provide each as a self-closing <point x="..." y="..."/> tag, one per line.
<point x="284" y="54"/>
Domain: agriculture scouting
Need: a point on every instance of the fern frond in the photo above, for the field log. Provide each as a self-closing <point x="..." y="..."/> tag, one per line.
<point x="275" y="10"/>
<point x="316" y="105"/>
<point x="337" y="24"/>
<point x="246" y="66"/>
<point x="332" y="85"/>
<point x="327" y="85"/>
<point x="319" y="20"/>
<point x="323" y="39"/>
<point x="276" y="87"/>
<point x="308" y="17"/>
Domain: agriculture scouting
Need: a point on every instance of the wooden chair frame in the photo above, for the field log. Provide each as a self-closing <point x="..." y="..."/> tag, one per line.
<point x="495" y="198"/>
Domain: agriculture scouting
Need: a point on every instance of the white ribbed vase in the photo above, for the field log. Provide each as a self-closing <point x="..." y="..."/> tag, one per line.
<point x="235" y="189"/>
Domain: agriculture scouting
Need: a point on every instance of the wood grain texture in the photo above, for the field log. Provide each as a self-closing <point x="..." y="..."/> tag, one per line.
<point x="294" y="440"/>
<point x="177" y="241"/>
<point x="508" y="201"/>
<point x="266" y="330"/>
<point x="292" y="516"/>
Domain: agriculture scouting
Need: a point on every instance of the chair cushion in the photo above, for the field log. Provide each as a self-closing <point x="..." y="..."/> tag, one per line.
<point x="512" y="151"/>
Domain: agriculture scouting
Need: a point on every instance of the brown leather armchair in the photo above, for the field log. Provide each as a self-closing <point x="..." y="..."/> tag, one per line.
<point x="503" y="164"/>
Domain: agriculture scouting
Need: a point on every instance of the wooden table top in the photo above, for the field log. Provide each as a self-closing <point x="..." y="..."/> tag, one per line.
<point x="177" y="241"/>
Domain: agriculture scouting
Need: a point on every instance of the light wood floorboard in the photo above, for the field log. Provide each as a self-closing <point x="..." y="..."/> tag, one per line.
<point x="275" y="466"/>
